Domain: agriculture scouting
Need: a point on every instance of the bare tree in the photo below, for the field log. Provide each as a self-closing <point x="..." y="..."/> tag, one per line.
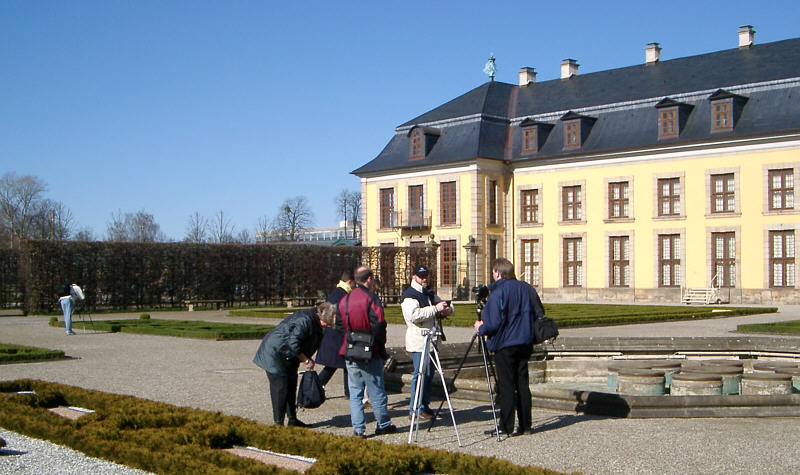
<point x="354" y="203"/>
<point x="19" y="201"/>
<point x="197" y="229"/>
<point x="134" y="227"/>
<point x="263" y="228"/>
<point x="221" y="229"/>
<point x="51" y="220"/>
<point x="342" y="204"/>
<point x="244" y="237"/>
<point x="85" y="234"/>
<point x="294" y="216"/>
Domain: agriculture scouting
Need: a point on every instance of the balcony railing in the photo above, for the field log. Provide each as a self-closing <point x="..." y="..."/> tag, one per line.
<point x="411" y="219"/>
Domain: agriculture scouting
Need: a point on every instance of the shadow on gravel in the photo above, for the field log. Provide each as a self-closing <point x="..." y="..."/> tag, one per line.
<point x="558" y="422"/>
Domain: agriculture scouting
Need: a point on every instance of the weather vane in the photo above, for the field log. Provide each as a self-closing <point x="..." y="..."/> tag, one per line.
<point x="490" y="68"/>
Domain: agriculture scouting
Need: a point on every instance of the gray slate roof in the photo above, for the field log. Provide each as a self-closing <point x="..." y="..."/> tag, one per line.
<point x="475" y="124"/>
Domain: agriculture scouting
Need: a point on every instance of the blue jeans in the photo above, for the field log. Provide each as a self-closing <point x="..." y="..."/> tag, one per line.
<point x="425" y="397"/>
<point x="67" y="306"/>
<point x="369" y="373"/>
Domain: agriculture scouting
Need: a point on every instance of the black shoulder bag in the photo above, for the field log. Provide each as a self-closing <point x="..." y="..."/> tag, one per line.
<point x="359" y="342"/>
<point x="544" y="328"/>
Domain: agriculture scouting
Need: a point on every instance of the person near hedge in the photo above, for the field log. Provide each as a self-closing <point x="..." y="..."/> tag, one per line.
<point x="362" y="310"/>
<point x="282" y="350"/>
<point x="67" y="302"/>
<point x="507" y="320"/>
<point x="328" y="354"/>
<point x="421" y="308"/>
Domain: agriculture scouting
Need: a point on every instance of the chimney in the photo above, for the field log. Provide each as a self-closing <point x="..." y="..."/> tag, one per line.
<point x="569" y="68"/>
<point x="527" y="76"/>
<point x="746" y="36"/>
<point x="652" y="54"/>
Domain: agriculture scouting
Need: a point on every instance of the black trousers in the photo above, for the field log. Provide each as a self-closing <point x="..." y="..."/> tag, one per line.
<point x="327" y="373"/>
<point x="283" y="393"/>
<point x="513" y="393"/>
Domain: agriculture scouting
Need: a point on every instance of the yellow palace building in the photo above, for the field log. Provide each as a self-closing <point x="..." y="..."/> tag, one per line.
<point x="660" y="182"/>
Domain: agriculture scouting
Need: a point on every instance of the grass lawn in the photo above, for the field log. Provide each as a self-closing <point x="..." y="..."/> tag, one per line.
<point x="22" y="354"/>
<point x="786" y="328"/>
<point x="566" y="315"/>
<point x="180" y="328"/>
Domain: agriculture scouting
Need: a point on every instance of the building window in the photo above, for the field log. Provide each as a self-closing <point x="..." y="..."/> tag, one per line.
<point x="529" y="210"/>
<point x="492" y="202"/>
<point x="573" y="262"/>
<point x="529" y="144"/>
<point x="416" y="200"/>
<point x="387" y="208"/>
<point x="668" y="123"/>
<point x="417" y="144"/>
<point x="572" y="134"/>
<point x="669" y="260"/>
<point x="781" y="189"/>
<point x="530" y="261"/>
<point x="619" y="265"/>
<point x="723" y="193"/>
<point x="416" y="244"/>
<point x="669" y="196"/>
<point x="571" y="203"/>
<point x="447" y="205"/>
<point x="724" y="263"/>
<point x="721" y="120"/>
<point x="618" y="200"/>
<point x="449" y="262"/>
<point x="491" y="255"/>
<point x="781" y="258"/>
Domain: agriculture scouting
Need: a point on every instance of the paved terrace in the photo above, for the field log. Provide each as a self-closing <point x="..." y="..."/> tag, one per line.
<point x="219" y="376"/>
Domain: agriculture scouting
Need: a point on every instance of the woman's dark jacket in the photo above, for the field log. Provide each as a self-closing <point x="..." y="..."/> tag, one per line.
<point x="328" y="354"/>
<point x="298" y="333"/>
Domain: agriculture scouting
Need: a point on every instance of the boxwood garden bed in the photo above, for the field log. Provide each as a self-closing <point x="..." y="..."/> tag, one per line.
<point x="567" y="315"/>
<point x="784" y="328"/>
<point x="180" y="328"/>
<point x="18" y="353"/>
<point x="163" y="438"/>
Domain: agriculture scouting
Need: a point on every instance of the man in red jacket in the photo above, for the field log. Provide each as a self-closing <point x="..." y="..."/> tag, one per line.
<point x="361" y="309"/>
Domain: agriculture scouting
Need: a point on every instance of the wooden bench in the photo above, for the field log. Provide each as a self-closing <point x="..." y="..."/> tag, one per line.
<point x="218" y="303"/>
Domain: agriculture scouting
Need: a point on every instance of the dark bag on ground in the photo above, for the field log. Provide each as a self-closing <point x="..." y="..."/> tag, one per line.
<point x="310" y="394"/>
<point x="544" y="329"/>
<point x="359" y="345"/>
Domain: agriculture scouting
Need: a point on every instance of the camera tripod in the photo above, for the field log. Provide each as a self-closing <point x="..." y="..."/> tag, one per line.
<point x="430" y="355"/>
<point x="481" y="292"/>
<point x="82" y="313"/>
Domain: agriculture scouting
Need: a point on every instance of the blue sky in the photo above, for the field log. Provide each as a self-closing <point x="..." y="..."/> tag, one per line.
<point x="177" y="107"/>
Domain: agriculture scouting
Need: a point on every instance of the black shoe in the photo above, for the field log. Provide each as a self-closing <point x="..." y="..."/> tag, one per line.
<point x="295" y="423"/>
<point x="494" y="433"/>
<point x="360" y="435"/>
<point x="390" y="429"/>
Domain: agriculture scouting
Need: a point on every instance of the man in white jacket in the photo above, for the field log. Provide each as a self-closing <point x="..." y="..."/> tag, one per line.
<point x="421" y="307"/>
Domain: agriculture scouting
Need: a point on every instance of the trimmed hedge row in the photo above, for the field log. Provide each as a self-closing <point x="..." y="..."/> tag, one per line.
<point x="167" y="439"/>
<point x="12" y="353"/>
<point x="179" y="328"/>
<point x="151" y="275"/>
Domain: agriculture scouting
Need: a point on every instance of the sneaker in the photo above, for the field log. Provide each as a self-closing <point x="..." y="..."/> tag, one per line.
<point x="70" y="332"/>
<point x="494" y="433"/>
<point x="424" y="415"/>
<point x="359" y="435"/>
<point x="295" y="423"/>
<point x="390" y="429"/>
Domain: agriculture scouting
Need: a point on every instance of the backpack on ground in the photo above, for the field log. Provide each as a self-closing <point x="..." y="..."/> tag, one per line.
<point x="310" y="394"/>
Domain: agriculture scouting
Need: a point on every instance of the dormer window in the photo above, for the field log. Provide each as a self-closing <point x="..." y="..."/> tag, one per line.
<point x="576" y="129"/>
<point x="672" y="117"/>
<point x="726" y="108"/>
<point x="534" y="134"/>
<point x="422" y="140"/>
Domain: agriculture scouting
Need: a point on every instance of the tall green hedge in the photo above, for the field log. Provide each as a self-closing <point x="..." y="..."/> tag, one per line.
<point x="150" y="275"/>
<point x="10" y="291"/>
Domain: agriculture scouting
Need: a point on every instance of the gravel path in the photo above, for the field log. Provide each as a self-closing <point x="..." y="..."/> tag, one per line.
<point x="219" y="376"/>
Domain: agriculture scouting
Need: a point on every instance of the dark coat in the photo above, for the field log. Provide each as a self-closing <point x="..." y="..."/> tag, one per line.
<point x="510" y="311"/>
<point x="298" y="333"/>
<point x="328" y="354"/>
<point x="366" y="313"/>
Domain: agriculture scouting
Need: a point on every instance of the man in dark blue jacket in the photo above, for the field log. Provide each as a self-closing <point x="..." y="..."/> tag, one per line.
<point x="507" y="321"/>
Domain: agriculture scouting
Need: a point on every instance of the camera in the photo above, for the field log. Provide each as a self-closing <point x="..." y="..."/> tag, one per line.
<point x="481" y="292"/>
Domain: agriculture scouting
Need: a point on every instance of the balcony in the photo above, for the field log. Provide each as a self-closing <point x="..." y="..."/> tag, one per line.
<point x="411" y="219"/>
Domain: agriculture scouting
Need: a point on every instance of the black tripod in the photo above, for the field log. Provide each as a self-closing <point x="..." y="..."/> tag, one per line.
<point x="481" y="292"/>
